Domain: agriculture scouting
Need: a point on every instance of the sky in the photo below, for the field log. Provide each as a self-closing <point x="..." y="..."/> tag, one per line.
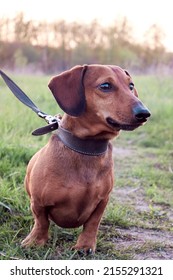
<point x="140" y="13"/>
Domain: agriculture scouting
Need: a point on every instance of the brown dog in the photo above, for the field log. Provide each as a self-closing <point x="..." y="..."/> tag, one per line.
<point x="70" y="179"/>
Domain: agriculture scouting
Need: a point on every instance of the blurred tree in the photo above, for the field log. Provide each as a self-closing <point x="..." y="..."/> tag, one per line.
<point x="6" y="30"/>
<point x="154" y="37"/>
<point x="22" y="29"/>
<point x="61" y="41"/>
<point x="59" y="45"/>
<point x="154" y="50"/>
<point x="20" y="59"/>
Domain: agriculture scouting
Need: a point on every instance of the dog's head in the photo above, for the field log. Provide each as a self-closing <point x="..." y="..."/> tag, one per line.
<point x="103" y="94"/>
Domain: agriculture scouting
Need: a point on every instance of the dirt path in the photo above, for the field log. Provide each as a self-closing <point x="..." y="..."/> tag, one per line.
<point x="150" y="235"/>
<point x="146" y="244"/>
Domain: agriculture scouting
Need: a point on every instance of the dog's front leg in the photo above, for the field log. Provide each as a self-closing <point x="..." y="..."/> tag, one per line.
<point x="87" y="239"/>
<point x="39" y="233"/>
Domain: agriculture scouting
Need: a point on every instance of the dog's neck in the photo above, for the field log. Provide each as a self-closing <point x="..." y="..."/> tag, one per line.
<point x="80" y="136"/>
<point x="85" y="128"/>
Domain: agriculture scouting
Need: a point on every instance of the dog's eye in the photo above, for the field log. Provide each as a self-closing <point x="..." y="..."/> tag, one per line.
<point x="106" y="87"/>
<point x="131" y="86"/>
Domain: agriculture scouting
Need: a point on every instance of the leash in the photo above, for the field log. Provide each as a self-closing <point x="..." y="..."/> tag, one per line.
<point x="53" y="121"/>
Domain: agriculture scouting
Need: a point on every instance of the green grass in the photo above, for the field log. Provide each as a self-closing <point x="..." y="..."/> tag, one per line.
<point x="142" y="198"/>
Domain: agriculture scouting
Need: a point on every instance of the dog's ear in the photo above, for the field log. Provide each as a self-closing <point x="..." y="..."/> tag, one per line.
<point x="127" y="73"/>
<point x="68" y="90"/>
<point x="135" y="91"/>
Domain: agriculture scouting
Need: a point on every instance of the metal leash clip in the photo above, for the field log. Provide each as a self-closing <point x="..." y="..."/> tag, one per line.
<point x="48" y="118"/>
<point x="53" y="124"/>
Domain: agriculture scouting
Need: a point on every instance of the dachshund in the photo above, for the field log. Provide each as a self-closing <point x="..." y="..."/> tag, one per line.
<point x="70" y="179"/>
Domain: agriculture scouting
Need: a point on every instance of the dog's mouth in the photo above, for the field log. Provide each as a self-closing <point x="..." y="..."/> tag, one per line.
<point x="128" y="127"/>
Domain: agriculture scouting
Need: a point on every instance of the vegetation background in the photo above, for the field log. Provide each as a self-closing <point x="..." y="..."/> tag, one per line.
<point x="138" y="222"/>
<point x="49" y="47"/>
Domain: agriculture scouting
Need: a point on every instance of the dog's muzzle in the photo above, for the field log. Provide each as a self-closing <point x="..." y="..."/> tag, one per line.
<point x="140" y="114"/>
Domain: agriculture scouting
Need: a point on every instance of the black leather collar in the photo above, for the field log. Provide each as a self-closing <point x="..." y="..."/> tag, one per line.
<point x="90" y="147"/>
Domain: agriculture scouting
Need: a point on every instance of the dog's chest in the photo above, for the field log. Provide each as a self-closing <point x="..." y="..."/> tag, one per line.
<point x="89" y="171"/>
<point x="79" y="195"/>
<point x="76" y="185"/>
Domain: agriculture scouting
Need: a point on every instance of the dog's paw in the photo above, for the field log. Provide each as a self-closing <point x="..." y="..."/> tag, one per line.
<point x="32" y="240"/>
<point x="82" y="250"/>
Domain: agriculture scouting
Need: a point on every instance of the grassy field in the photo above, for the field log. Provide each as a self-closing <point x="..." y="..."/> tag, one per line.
<point x="138" y="222"/>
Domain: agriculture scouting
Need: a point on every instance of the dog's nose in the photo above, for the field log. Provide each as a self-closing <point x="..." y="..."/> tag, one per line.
<point x="141" y="113"/>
